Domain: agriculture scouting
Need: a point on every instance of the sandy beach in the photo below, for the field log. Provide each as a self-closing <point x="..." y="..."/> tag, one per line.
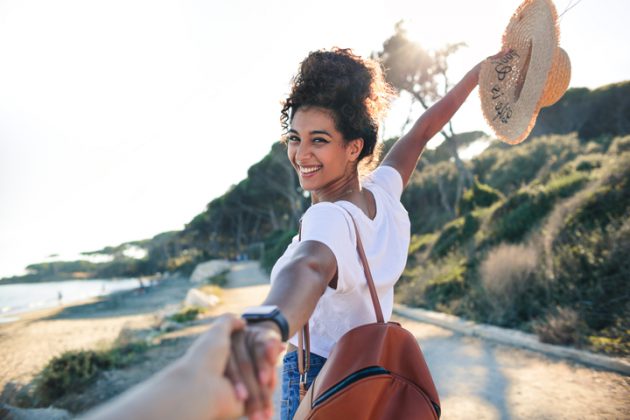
<point x="28" y="344"/>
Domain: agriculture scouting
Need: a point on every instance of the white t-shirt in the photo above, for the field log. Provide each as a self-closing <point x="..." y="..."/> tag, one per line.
<point x="385" y="241"/>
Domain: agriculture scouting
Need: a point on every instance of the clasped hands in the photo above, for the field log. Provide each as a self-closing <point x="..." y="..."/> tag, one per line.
<point x="251" y="367"/>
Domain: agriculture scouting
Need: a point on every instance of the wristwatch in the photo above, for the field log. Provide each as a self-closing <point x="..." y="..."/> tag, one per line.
<point x="272" y="313"/>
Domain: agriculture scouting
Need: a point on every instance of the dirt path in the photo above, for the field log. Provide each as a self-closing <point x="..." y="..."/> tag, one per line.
<point x="247" y="286"/>
<point x="477" y="379"/>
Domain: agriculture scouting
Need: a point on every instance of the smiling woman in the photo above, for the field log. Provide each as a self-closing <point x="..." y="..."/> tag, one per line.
<point x="332" y="118"/>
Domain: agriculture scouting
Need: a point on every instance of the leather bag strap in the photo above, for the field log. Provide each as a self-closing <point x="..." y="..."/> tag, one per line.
<point x="303" y="334"/>
<point x="368" y="274"/>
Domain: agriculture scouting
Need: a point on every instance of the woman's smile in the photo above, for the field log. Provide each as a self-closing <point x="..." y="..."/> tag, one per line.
<point x="309" y="170"/>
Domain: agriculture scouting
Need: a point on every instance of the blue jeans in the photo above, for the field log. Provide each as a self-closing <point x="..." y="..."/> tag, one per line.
<point x="291" y="382"/>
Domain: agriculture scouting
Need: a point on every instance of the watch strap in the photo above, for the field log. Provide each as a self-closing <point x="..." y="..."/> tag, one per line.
<point x="276" y="317"/>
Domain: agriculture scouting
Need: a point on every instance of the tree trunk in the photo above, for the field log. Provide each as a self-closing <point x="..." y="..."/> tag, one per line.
<point x="444" y="197"/>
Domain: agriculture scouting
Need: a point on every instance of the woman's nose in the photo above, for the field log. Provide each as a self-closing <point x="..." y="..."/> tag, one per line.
<point x="303" y="151"/>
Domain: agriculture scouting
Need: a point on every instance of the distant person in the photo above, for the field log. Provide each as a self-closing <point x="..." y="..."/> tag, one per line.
<point x="331" y="119"/>
<point x="191" y="388"/>
<point x="59" y="297"/>
<point x="141" y="288"/>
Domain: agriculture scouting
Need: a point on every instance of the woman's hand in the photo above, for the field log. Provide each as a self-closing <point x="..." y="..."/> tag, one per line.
<point x="252" y="365"/>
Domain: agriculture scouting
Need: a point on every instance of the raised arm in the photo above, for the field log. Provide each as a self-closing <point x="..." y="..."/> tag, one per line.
<point x="403" y="156"/>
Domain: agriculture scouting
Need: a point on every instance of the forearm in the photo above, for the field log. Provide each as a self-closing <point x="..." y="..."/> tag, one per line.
<point x="165" y="395"/>
<point x="406" y="151"/>
<point x="432" y="121"/>
<point x="297" y="289"/>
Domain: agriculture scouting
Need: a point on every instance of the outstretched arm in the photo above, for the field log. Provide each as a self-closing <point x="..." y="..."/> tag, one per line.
<point x="296" y="291"/>
<point x="404" y="155"/>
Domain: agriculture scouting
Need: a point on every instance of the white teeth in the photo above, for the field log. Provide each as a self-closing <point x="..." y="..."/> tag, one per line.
<point x="309" y="170"/>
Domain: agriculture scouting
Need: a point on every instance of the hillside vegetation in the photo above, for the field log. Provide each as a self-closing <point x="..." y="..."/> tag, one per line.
<point x="540" y="242"/>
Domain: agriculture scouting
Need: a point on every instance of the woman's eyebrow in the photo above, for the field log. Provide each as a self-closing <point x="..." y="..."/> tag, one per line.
<point x="312" y="132"/>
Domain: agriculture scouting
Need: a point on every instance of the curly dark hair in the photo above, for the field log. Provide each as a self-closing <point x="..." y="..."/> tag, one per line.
<point x="351" y="87"/>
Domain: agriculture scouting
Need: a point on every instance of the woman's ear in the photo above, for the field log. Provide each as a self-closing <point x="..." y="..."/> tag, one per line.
<point x="354" y="149"/>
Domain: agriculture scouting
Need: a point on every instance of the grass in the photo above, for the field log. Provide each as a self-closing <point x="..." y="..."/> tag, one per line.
<point x="74" y="371"/>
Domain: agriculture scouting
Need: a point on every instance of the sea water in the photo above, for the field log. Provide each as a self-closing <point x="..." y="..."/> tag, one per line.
<point x="23" y="297"/>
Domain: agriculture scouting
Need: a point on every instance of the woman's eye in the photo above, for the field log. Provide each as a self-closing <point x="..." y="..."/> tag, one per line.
<point x="320" y="140"/>
<point x="293" y="139"/>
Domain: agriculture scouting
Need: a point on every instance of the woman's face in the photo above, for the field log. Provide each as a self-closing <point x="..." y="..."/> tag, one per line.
<point x="318" y="152"/>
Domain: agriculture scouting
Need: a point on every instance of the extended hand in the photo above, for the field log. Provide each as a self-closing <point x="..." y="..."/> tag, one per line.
<point x="251" y="367"/>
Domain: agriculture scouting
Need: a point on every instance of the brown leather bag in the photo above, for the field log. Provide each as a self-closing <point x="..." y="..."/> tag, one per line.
<point x="375" y="371"/>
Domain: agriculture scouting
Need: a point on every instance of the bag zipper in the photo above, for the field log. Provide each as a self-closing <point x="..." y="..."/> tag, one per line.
<point x="348" y="380"/>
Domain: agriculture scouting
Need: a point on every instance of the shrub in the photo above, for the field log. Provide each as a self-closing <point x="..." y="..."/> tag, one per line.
<point x="586" y="165"/>
<point x="511" y="168"/>
<point x="219" y="279"/>
<point x="615" y="339"/>
<point x="420" y="243"/>
<point x="186" y="314"/>
<point x="448" y="285"/>
<point x="565" y="186"/>
<point x="508" y="276"/>
<point x="523" y="210"/>
<point x="73" y="371"/>
<point x="560" y="326"/>
<point x="620" y="145"/>
<point x="435" y="285"/>
<point x="609" y="201"/>
<point x="426" y="195"/>
<point x="184" y="263"/>
<point x="591" y="269"/>
<point x="518" y="215"/>
<point x="480" y="195"/>
<point x="455" y="233"/>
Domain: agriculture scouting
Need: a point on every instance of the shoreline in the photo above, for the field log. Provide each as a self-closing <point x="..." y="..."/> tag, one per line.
<point x="37" y="336"/>
<point x="15" y="314"/>
<point x="37" y="313"/>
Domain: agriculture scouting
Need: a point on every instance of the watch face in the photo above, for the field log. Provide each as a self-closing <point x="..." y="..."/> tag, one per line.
<point x="260" y="310"/>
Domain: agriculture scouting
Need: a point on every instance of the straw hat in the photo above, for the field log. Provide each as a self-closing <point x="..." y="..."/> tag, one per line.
<point x="534" y="73"/>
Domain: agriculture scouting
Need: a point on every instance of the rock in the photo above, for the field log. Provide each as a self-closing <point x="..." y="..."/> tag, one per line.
<point x="197" y="298"/>
<point x="205" y="270"/>
<point x="13" y="413"/>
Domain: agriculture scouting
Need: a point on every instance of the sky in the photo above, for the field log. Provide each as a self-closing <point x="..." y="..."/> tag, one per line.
<point x="123" y="119"/>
